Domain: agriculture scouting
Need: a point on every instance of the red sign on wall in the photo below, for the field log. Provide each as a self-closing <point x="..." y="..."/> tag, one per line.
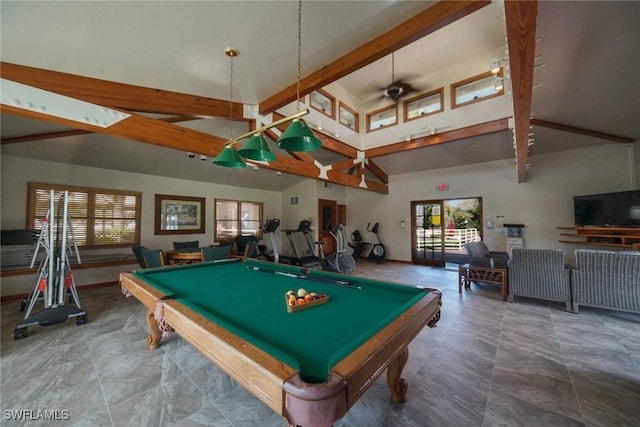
<point x="442" y="186"/>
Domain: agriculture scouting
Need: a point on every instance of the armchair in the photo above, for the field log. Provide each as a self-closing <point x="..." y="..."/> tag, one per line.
<point x="216" y="253"/>
<point x="478" y="254"/>
<point x="153" y="257"/>
<point x="539" y="273"/>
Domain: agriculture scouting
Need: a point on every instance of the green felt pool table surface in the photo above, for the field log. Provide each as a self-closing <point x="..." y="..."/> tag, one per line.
<point x="251" y="304"/>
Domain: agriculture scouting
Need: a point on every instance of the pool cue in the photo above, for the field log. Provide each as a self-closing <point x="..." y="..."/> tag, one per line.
<point x="305" y="277"/>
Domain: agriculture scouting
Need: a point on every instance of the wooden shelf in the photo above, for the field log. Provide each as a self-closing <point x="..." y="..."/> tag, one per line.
<point x="614" y="237"/>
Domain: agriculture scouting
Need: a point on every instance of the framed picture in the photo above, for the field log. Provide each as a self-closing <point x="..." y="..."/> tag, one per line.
<point x="179" y="215"/>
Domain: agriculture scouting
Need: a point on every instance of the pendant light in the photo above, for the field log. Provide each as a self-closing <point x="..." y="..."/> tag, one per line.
<point x="298" y="136"/>
<point x="229" y="157"/>
<point x="257" y="148"/>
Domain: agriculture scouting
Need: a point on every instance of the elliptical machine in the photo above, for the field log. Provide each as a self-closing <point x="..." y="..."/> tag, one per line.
<point x="340" y="261"/>
<point x="378" y="251"/>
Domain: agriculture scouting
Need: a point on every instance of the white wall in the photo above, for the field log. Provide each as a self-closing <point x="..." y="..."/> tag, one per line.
<point x="542" y="203"/>
<point x="17" y="171"/>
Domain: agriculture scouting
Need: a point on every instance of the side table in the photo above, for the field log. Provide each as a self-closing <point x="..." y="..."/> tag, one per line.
<point x="495" y="276"/>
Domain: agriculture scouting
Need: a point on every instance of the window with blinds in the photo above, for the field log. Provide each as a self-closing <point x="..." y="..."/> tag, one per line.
<point x="237" y="218"/>
<point x="97" y="217"/>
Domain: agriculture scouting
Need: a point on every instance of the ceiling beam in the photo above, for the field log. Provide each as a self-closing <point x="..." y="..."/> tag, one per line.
<point x="76" y="132"/>
<point x="581" y="131"/>
<point x="139" y="128"/>
<point x="521" y="18"/>
<point x="156" y="132"/>
<point x="120" y="95"/>
<point x="440" y="138"/>
<point x="377" y="171"/>
<point x="424" y="23"/>
<point x="310" y="170"/>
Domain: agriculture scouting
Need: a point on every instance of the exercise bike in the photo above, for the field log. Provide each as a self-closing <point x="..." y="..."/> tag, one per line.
<point x="340" y="261"/>
<point x="378" y="251"/>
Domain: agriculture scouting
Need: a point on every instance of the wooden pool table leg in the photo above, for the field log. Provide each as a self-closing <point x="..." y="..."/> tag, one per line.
<point x="153" y="339"/>
<point x="397" y="385"/>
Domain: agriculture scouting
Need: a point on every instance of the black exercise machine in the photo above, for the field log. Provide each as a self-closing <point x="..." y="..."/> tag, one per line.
<point x="357" y="244"/>
<point x="303" y="260"/>
<point x="269" y="228"/>
<point x="378" y="251"/>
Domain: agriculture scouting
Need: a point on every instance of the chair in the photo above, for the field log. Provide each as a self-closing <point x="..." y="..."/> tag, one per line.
<point x="250" y="250"/>
<point x="186" y="245"/>
<point x="242" y="241"/>
<point x="539" y="273"/>
<point x="216" y="252"/>
<point x="479" y="255"/>
<point x="606" y="279"/>
<point x="153" y="257"/>
<point x="137" y="251"/>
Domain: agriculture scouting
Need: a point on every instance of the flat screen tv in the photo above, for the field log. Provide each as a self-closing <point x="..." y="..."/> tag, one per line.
<point x="620" y="209"/>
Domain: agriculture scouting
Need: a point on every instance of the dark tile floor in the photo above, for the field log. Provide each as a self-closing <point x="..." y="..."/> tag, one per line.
<point x="488" y="363"/>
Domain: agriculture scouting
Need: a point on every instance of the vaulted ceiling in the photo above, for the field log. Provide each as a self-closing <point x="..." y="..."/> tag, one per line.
<point x="573" y="69"/>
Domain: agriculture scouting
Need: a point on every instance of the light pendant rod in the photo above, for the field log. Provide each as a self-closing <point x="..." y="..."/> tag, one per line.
<point x="271" y="125"/>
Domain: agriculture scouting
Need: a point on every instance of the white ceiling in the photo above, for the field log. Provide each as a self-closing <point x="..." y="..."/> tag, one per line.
<point x="586" y="74"/>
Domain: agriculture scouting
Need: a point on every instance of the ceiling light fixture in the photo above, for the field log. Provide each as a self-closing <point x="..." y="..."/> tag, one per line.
<point x="298" y="136"/>
<point x="229" y="157"/>
<point x="495" y="64"/>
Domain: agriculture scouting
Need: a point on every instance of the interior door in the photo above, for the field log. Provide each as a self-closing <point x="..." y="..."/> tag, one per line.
<point x="328" y="218"/>
<point x="427" y="233"/>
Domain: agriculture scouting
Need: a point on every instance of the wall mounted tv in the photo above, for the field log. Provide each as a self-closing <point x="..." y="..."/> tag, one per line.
<point x="620" y="209"/>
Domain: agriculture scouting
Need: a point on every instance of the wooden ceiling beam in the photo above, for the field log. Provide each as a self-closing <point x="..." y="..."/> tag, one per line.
<point x="120" y="95"/>
<point x="521" y="20"/>
<point x="424" y="23"/>
<point x="581" y="131"/>
<point x="156" y="132"/>
<point x="140" y="128"/>
<point x="377" y="171"/>
<point x="440" y="138"/>
<point x="76" y="132"/>
<point x="310" y="170"/>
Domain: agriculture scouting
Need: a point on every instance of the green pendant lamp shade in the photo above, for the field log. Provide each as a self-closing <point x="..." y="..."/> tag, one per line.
<point x="299" y="137"/>
<point x="229" y="158"/>
<point x="257" y="148"/>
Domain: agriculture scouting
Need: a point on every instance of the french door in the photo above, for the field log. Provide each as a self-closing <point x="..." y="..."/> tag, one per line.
<point x="427" y="236"/>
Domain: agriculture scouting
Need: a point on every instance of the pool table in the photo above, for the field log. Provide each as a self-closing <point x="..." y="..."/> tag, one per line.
<point x="309" y="366"/>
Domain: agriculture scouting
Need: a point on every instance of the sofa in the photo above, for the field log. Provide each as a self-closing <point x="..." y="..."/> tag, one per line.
<point x="478" y="254"/>
<point x="606" y="279"/>
<point x="541" y="274"/>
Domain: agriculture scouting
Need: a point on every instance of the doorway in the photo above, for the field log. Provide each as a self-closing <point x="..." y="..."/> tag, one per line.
<point x="441" y="228"/>
<point x="327" y="219"/>
<point x="427" y="235"/>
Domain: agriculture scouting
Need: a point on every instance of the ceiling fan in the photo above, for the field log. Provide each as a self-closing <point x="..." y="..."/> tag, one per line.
<point x="398" y="88"/>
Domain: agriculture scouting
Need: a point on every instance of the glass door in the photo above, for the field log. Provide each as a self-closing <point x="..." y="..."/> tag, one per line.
<point x="427" y="236"/>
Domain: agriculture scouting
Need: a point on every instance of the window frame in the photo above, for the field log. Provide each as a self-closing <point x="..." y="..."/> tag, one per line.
<point x="258" y="234"/>
<point x="391" y="107"/>
<point x="356" y="116"/>
<point x="30" y="220"/>
<point x="330" y="99"/>
<point x="472" y="79"/>
<point x="430" y="94"/>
